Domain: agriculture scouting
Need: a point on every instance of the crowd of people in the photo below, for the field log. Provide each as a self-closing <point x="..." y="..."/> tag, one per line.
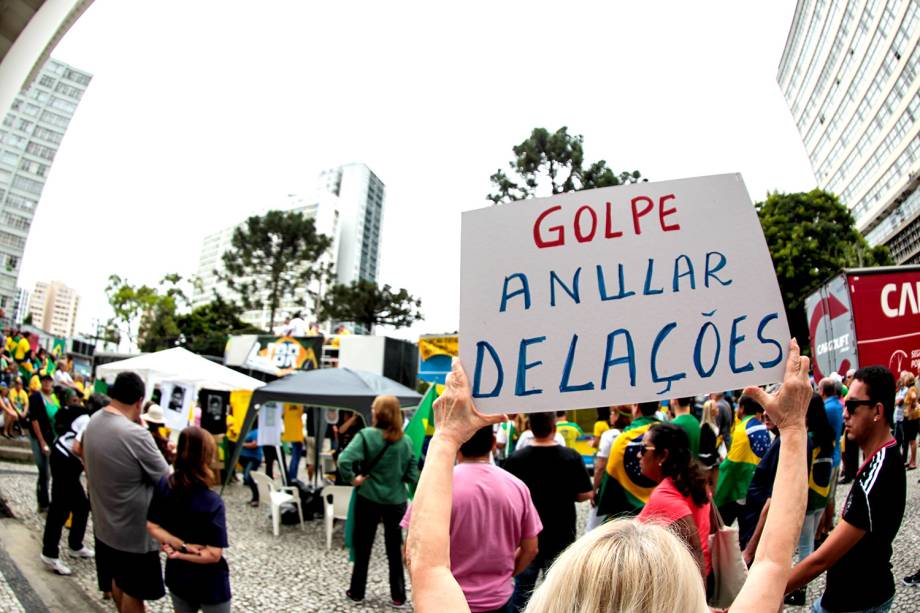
<point x="495" y="505"/>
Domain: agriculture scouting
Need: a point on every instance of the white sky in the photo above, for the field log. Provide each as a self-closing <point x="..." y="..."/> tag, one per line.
<point x="202" y="112"/>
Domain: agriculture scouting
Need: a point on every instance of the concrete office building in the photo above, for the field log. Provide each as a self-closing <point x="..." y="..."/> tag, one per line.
<point x="54" y="308"/>
<point x="849" y="73"/>
<point x="30" y="136"/>
<point x="348" y="208"/>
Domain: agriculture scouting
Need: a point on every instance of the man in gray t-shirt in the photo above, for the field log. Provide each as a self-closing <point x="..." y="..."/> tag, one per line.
<point x="123" y="465"/>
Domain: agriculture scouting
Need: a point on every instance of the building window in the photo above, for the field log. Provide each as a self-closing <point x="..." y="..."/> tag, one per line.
<point x="27" y="185"/>
<point x="23" y="204"/>
<point x="58" y="121"/>
<point x="63" y="105"/>
<point x="77" y="77"/>
<point x="46" y="81"/>
<point x="46" y="153"/>
<point x="69" y="90"/>
<point x="48" y="135"/>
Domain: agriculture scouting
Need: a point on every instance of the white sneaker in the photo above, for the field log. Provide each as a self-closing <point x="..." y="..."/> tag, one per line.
<point x="83" y="552"/>
<point x="56" y="565"/>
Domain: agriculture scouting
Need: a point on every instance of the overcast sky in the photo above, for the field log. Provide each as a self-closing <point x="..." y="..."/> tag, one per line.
<point x="201" y="113"/>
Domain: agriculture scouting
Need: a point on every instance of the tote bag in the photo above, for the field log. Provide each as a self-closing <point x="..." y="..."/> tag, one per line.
<point x="728" y="567"/>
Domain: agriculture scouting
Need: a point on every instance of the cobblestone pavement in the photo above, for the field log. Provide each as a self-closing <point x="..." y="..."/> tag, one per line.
<point x="294" y="572"/>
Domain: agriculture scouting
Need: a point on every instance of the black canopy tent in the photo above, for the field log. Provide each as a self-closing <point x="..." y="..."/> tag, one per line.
<point x="325" y="388"/>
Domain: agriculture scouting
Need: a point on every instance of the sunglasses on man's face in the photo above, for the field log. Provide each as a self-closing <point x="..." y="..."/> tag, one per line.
<point x="854" y="404"/>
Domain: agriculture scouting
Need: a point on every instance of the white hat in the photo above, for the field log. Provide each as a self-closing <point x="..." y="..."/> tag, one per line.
<point x="154" y="415"/>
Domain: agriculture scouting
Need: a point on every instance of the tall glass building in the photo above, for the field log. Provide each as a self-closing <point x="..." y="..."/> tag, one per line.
<point x="30" y="136"/>
<point x="849" y="73"/>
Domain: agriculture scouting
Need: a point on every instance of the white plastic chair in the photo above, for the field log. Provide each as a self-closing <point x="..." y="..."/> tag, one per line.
<point x="336" y="499"/>
<point x="276" y="496"/>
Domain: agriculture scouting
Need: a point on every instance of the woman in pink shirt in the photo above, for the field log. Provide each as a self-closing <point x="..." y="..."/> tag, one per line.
<point x="681" y="500"/>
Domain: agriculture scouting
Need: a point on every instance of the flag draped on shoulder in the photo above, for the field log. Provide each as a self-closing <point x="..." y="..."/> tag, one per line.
<point x="624" y="489"/>
<point x="750" y="441"/>
<point x="819" y="478"/>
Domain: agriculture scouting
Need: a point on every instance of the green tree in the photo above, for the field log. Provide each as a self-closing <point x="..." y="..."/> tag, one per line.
<point x="145" y="315"/>
<point x="271" y="255"/>
<point x="206" y="329"/>
<point x="558" y="158"/>
<point x="811" y="236"/>
<point x="363" y="302"/>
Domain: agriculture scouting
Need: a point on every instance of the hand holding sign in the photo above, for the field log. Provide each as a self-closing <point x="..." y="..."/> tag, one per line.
<point x="788" y="406"/>
<point x="455" y="415"/>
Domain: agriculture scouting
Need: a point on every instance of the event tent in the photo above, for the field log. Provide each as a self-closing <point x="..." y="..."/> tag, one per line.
<point x="333" y="388"/>
<point x="179" y="364"/>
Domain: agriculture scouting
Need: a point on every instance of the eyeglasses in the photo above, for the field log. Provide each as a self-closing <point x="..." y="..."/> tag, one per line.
<point x="645" y="448"/>
<point x="854" y="404"/>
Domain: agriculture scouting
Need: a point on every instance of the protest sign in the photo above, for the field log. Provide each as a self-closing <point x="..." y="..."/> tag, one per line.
<point x="624" y="294"/>
<point x="176" y="400"/>
<point x="270" y="425"/>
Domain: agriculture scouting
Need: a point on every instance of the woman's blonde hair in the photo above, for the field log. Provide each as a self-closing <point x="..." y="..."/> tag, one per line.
<point x="710" y="410"/>
<point x="625" y="567"/>
<point x="388" y="417"/>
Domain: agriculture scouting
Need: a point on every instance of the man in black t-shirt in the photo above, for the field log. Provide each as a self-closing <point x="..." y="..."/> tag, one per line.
<point x="857" y="553"/>
<point x="557" y="478"/>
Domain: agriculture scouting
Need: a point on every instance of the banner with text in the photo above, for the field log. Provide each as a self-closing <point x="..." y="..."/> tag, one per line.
<point x="624" y="294"/>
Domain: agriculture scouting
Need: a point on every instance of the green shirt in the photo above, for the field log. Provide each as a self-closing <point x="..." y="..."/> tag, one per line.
<point x="691" y="426"/>
<point x="396" y="468"/>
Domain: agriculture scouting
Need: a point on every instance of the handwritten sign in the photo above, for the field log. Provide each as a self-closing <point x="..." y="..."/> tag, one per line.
<point x="616" y="295"/>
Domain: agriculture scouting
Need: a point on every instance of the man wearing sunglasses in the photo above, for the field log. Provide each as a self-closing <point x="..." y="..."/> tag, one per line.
<point x="857" y="553"/>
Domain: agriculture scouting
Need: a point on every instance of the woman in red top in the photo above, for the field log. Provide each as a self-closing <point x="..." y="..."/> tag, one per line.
<point x="681" y="500"/>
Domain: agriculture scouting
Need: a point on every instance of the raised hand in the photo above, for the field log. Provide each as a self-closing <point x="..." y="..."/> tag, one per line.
<point x="456" y="417"/>
<point x="787" y="406"/>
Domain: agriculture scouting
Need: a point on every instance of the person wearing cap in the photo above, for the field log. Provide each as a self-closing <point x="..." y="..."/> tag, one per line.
<point x="154" y="419"/>
<point x="43" y="405"/>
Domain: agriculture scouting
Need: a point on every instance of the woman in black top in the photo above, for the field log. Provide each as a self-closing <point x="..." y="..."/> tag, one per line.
<point x="188" y="520"/>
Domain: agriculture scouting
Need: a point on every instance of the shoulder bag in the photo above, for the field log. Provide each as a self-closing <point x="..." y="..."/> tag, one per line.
<point x="728" y="567"/>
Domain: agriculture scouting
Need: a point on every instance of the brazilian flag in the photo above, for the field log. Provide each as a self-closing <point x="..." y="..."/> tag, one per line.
<point x="624" y="490"/>
<point x="819" y="477"/>
<point x="750" y="441"/>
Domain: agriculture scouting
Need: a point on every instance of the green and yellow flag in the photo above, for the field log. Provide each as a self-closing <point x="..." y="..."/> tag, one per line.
<point x="624" y="489"/>
<point x="750" y="441"/>
<point x="420" y="424"/>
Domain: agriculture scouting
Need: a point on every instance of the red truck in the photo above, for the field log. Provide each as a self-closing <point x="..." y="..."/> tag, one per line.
<point x="866" y="316"/>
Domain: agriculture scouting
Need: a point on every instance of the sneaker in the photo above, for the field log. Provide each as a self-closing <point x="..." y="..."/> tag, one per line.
<point x="56" y="565"/>
<point x="83" y="552"/>
<point x="796" y="598"/>
<point x="352" y="598"/>
<point x="396" y="604"/>
<point x="912" y="580"/>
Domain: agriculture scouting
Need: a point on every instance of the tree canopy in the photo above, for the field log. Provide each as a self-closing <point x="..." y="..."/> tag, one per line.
<point x="557" y="159"/>
<point x="145" y="315"/>
<point x="206" y="329"/>
<point x="811" y="236"/>
<point x="270" y="257"/>
<point x="363" y="302"/>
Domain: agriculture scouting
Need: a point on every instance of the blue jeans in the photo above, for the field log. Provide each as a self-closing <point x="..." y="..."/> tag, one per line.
<point x="41" y="462"/>
<point x="882" y="608"/>
<point x="249" y="465"/>
<point x="294" y="464"/>
<point x="809" y="529"/>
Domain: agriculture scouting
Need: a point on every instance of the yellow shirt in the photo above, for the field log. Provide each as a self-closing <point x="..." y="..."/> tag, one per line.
<point x="35" y="383"/>
<point x="600" y="427"/>
<point x="22" y="349"/>
<point x="293" y="423"/>
<point x="20" y="399"/>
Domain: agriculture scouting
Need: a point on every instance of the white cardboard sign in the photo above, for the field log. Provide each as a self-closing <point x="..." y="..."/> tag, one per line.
<point x="623" y="294"/>
<point x="176" y="401"/>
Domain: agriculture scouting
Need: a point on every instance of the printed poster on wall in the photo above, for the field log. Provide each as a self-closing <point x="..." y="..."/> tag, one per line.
<point x="271" y="424"/>
<point x="624" y="294"/>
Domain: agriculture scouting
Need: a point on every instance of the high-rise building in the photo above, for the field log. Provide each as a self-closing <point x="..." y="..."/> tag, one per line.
<point x="348" y="208"/>
<point x="29" y="139"/>
<point x="360" y="196"/>
<point x="849" y="73"/>
<point x="53" y="307"/>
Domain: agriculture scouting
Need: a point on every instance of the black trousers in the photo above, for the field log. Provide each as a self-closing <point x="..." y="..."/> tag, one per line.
<point x="271" y="456"/>
<point x="67" y="496"/>
<point x="367" y="515"/>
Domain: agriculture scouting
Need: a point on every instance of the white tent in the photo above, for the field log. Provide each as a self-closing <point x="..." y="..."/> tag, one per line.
<point x="179" y="364"/>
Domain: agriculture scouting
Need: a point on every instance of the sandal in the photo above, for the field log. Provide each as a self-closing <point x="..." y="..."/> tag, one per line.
<point x="253" y="503"/>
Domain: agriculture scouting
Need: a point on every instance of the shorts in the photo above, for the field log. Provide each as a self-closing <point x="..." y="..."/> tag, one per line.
<point x="136" y="574"/>
<point x="188" y="606"/>
<point x="310" y="449"/>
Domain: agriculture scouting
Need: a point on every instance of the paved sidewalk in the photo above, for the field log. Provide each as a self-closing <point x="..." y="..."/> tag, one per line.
<point x="294" y="572"/>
